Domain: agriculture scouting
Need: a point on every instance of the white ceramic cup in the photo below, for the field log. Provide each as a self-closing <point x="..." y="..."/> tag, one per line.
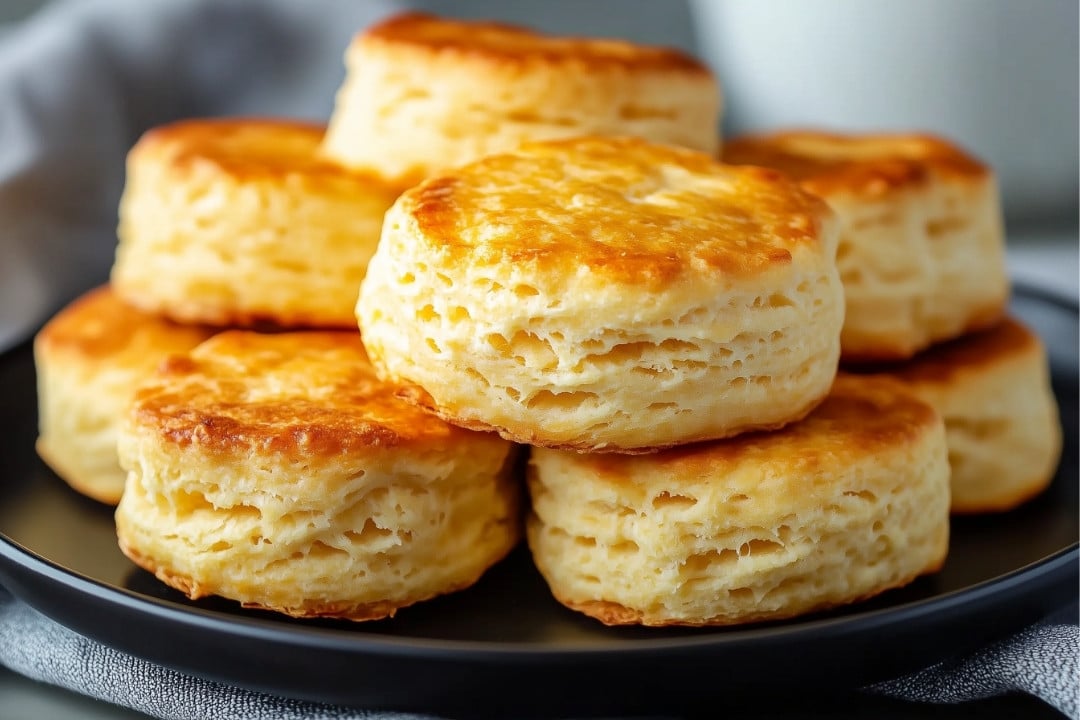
<point x="1000" y="77"/>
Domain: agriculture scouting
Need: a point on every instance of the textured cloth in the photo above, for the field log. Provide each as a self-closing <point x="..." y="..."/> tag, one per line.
<point x="1042" y="661"/>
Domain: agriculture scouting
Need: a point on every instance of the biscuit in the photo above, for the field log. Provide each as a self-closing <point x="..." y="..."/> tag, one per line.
<point x="88" y="358"/>
<point x="922" y="252"/>
<point x="277" y="471"/>
<point x="422" y="94"/>
<point x="607" y="294"/>
<point x="239" y="222"/>
<point x="1001" y="417"/>
<point x="848" y="503"/>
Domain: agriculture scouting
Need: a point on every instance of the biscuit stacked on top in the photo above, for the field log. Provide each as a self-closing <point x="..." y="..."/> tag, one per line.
<point x="923" y="264"/>
<point x="662" y="330"/>
<point x="562" y="264"/>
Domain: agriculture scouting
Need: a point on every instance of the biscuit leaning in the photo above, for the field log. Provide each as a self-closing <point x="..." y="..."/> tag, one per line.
<point x="1001" y="418"/>
<point x="607" y="295"/>
<point x="239" y="222"/>
<point x="277" y="471"/>
<point x="922" y="253"/>
<point x="423" y="94"/>
<point x="89" y="357"/>
<point x="848" y="503"/>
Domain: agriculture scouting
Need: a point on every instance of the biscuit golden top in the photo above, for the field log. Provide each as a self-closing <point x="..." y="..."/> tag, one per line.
<point x="301" y="395"/>
<point x="861" y="417"/>
<point x="100" y="326"/>
<point x="969" y="354"/>
<point x="246" y="149"/>
<point x="493" y="43"/>
<point x="831" y="163"/>
<point x="625" y="209"/>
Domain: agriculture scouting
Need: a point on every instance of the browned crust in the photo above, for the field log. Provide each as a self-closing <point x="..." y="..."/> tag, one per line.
<point x="513" y="46"/>
<point x="252" y="149"/>
<point x="891" y="161"/>
<point x="417" y="396"/>
<point x="203" y="398"/>
<point x="873" y="356"/>
<point x="738" y="222"/>
<point x="100" y="325"/>
<point x="980" y="348"/>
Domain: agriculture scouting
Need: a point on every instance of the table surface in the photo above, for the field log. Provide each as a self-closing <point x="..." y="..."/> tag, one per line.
<point x="1049" y="261"/>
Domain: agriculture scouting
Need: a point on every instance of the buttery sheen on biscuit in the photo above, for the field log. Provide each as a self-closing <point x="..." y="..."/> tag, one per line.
<point x="848" y="503"/>
<point x="89" y="357"/>
<point x="422" y="94"/>
<point x="921" y="252"/>
<point x="1004" y="433"/>
<point x="277" y="471"/>
<point x="240" y="222"/>
<point x="607" y="294"/>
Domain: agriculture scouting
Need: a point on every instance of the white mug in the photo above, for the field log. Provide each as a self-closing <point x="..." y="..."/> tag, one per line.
<point x="999" y="77"/>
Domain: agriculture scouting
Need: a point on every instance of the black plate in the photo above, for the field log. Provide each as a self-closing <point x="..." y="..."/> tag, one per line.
<point x="505" y="645"/>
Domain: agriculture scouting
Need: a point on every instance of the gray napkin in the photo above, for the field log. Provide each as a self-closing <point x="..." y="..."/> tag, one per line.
<point x="1043" y="661"/>
<point x="81" y="81"/>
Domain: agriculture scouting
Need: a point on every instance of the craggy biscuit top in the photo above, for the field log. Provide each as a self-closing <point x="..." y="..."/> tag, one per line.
<point x="971" y="353"/>
<point x="621" y="207"/>
<point x="307" y="396"/>
<point x="100" y="326"/>
<point x="499" y="44"/>
<point x="248" y="149"/>
<point x="833" y="163"/>
<point x="860" y="417"/>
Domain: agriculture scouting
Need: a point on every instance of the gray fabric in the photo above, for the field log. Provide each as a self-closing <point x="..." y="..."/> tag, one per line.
<point x="34" y="646"/>
<point x="1043" y="661"/>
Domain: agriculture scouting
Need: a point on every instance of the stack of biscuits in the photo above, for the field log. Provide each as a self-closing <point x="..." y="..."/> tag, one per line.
<point x="576" y="326"/>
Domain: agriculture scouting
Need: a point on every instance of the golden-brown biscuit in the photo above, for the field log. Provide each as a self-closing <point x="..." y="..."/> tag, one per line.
<point x="607" y="295"/>
<point x="922" y="252"/>
<point x="277" y="471"/>
<point x="848" y="503"/>
<point x="423" y="94"/>
<point x="1001" y="418"/>
<point x="88" y="357"/>
<point x="239" y="222"/>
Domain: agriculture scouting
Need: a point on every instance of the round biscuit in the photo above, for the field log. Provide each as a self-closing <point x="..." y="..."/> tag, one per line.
<point x="423" y="93"/>
<point x="88" y="358"/>
<point x="240" y="222"/>
<point x="607" y="294"/>
<point x="922" y="250"/>
<point x="848" y="503"/>
<point x="277" y="471"/>
<point x="1001" y="417"/>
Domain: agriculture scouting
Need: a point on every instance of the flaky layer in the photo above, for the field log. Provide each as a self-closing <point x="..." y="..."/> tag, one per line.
<point x="275" y="471"/>
<point x="241" y="222"/>
<point x="848" y="503"/>
<point x="606" y="294"/>
<point x="921" y="239"/>
<point x="423" y="93"/>
<point x="1001" y="417"/>
<point x="88" y="359"/>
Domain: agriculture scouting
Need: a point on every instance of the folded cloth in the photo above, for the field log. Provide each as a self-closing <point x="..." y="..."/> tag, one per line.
<point x="1041" y="661"/>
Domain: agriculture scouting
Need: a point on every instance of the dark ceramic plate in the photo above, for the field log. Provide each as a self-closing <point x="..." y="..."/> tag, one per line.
<point x="505" y="645"/>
